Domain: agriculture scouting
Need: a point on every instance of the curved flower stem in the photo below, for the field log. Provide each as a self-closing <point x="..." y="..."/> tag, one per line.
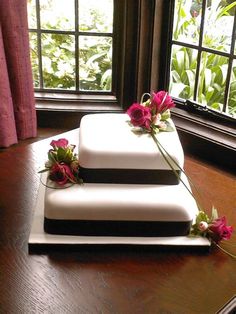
<point x="225" y="251"/>
<point x="177" y="165"/>
<point x="58" y="187"/>
<point x="166" y="155"/>
<point x="145" y="94"/>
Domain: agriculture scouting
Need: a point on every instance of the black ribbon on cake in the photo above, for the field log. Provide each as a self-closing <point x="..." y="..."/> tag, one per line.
<point x="129" y="176"/>
<point x="117" y="228"/>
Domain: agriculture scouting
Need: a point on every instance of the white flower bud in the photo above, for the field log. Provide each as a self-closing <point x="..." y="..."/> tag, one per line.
<point x="202" y="226"/>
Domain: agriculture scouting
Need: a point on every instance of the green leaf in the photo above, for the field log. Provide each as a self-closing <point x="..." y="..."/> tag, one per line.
<point x="202" y="216"/>
<point x="207" y="78"/>
<point x="165" y="115"/>
<point x="177" y="89"/>
<point x="175" y="76"/>
<point x="169" y="127"/>
<point x="209" y="93"/>
<point x="214" y="213"/>
<point x="226" y="9"/>
<point x="217" y="106"/>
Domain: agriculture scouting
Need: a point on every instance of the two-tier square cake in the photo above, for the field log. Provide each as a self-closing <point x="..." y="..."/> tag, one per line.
<point x="128" y="187"/>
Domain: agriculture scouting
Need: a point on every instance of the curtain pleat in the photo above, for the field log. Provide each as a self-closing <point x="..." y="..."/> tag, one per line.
<point x="17" y="104"/>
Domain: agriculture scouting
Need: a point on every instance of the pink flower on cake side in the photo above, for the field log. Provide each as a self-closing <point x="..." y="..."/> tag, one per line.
<point x="62" y="142"/>
<point x="63" y="163"/>
<point x="61" y="173"/>
<point x="213" y="228"/>
<point x="140" y="116"/>
<point x="218" y="230"/>
<point x="161" y="102"/>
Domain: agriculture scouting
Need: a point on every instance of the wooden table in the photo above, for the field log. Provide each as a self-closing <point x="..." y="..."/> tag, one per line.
<point x="107" y="280"/>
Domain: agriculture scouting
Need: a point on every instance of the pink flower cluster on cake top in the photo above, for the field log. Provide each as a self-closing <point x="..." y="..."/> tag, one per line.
<point x="152" y="115"/>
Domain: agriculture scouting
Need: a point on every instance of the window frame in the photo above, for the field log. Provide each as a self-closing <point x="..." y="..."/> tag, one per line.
<point x="125" y="52"/>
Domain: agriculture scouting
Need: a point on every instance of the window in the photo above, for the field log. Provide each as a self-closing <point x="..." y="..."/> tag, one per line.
<point x="80" y="54"/>
<point x="203" y="54"/>
<point x="71" y="44"/>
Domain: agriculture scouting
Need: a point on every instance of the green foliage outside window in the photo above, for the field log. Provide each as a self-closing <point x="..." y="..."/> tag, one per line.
<point x="58" y="49"/>
<point x="213" y="68"/>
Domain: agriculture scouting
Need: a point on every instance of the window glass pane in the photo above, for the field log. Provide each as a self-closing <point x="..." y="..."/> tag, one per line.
<point x="95" y="62"/>
<point x="55" y="16"/>
<point x="187" y="18"/>
<point x="58" y="58"/>
<point x="96" y="16"/>
<point x="34" y="58"/>
<point x="218" y="26"/>
<point x="182" y="74"/>
<point x="232" y="94"/>
<point x="31" y="8"/>
<point x="212" y="79"/>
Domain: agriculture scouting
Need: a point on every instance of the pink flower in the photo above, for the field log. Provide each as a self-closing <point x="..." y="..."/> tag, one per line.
<point x="161" y="101"/>
<point x="61" y="173"/>
<point x="140" y="115"/>
<point x="62" y="142"/>
<point x="219" y="230"/>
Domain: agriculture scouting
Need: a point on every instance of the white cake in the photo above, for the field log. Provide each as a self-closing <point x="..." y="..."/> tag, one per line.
<point x="110" y="152"/>
<point x="106" y="143"/>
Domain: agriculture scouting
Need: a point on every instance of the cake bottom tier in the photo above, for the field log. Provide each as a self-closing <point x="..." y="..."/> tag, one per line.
<point x="119" y="210"/>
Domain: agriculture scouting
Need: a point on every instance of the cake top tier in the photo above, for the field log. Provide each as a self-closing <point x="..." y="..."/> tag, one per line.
<point x="108" y="142"/>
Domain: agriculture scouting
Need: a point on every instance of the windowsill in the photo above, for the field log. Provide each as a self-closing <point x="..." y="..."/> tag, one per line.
<point x="206" y="139"/>
<point x="204" y="128"/>
<point x="76" y="103"/>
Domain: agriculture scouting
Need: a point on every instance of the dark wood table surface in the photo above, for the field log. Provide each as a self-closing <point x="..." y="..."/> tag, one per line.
<point x="120" y="280"/>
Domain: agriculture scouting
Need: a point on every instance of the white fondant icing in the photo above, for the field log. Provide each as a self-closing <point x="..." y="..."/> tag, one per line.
<point x="121" y="202"/>
<point x="107" y="141"/>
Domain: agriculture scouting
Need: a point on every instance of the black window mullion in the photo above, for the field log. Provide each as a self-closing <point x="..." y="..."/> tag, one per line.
<point x="55" y="31"/>
<point x="77" y="45"/>
<point x="39" y="44"/>
<point x="199" y="56"/>
<point x="230" y="65"/>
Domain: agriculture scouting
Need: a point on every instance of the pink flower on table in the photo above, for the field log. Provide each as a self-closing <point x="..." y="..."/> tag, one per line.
<point x="62" y="142"/>
<point x="219" y="230"/>
<point x="161" y="102"/>
<point x="140" y="115"/>
<point x="61" y="173"/>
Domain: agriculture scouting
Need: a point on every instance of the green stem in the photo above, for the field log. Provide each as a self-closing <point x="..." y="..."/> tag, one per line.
<point x="226" y="252"/>
<point x="166" y="155"/>
<point x="178" y="166"/>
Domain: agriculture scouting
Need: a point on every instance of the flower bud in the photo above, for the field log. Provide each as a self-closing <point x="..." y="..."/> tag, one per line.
<point x="202" y="226"/>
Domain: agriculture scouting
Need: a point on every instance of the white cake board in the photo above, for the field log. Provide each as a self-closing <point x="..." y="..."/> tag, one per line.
<point x="39" y="239"/>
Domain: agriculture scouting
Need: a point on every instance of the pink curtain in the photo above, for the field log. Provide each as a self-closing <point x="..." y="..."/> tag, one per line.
<point x="17" y="104"/>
